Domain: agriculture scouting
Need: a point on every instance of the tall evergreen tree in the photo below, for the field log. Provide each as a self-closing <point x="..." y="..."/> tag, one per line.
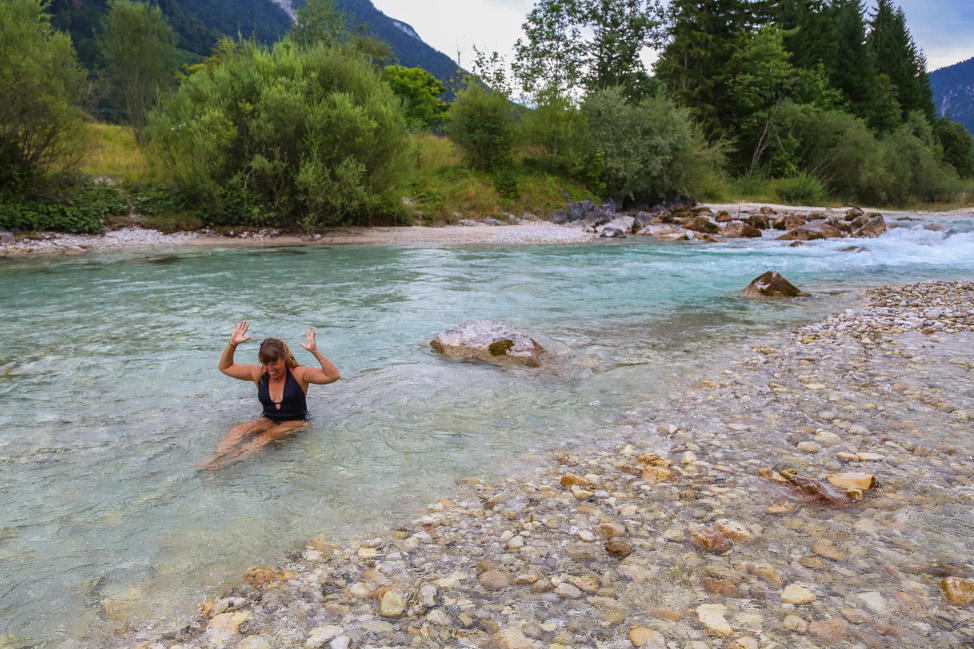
<point x="809" y="32"/>
<point x="703" y="37"/>
<point x="898" y="57"/>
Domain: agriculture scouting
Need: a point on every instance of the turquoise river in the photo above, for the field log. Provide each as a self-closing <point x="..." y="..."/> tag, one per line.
<point x="109" y="392"/>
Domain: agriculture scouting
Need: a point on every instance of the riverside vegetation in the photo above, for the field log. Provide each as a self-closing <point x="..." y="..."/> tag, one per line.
<point x="807" y="102"/>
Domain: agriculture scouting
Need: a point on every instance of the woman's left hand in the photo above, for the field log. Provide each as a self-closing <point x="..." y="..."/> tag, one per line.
<point x="310" y="345"/>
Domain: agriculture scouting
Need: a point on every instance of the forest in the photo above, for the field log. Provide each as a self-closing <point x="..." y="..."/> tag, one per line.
<point x="798" y="101"/>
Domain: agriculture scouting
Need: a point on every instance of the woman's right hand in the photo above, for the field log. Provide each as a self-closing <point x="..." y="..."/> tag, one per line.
<point x="239" y="334"/>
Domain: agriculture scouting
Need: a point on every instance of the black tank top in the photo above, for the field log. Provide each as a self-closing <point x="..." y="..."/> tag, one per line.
<point x="293" y="404"/>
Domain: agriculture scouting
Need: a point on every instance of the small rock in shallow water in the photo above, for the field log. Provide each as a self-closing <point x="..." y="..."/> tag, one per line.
<point x="643" y="637"/>
<point x="826" y="548"/>
<point x="796" y="624"/>
<point x="617" y="548"/>
<point x="832" y="631"/>
<point x="494" y="580"/>
<point x="711" y="616"/>
<point x="511" y="638"/>
<point x="734" y="530"/>
<point x="392" y="604"/>
<point x="260" y="576"/>
<point x="254" y="642"/>
<point x="958" y="591"/>
<point x="863" y="481"/>
<point x="322" y="634"/>
<point x="710" y="540"/>
<point x="796" y="594"/>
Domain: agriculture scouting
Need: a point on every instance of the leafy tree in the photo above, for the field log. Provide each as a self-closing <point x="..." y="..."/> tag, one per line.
<point x="761" y="76"/>
<point x="307" y="136"/>
<point x="912" y="158"/>
<point x="957" y="145"/>
<point x="42" y="126"/>
<point x="319" y="22"/>
<point x="420" y="92"/>
<point x="556" y="132"/>
<point x="595" y="44"/>
<point x="322" y="23"/>
<point x="649" y="149"/>
<point x="838" y="148"/>
<point x="139" y="48"/>
<point x="482" y="125"/>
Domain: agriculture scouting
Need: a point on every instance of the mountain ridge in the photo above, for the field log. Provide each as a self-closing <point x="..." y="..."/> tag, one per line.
<point x="953" y="92"/>
<point x="200" y="23"/>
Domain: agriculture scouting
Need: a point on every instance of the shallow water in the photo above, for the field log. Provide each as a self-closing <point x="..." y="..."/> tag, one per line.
<point x="110" y="393"/>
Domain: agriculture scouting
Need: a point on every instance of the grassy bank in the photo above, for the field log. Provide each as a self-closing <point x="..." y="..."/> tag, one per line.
<point x="440" y="189"/>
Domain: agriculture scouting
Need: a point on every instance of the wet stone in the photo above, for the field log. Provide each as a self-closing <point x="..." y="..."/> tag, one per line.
<point x="797" y="594"/>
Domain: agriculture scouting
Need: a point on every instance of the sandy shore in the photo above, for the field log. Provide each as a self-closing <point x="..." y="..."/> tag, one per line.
<point x="530" y="232"/>
<point x="689" y="531"/>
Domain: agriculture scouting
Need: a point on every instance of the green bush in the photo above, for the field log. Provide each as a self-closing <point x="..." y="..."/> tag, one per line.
<point x="79" y="209"/>
<point x="650" y="149"/>
<point x="481" y="124"/>
<point x="154" y="199"/>
<point x="556" y="134"/>
<point x="506" y="184"/>
<point x="42" y="126"/>
<point x="286" y="136"/>
<point x="800" y="189"/>
<point x="912" y="160"/>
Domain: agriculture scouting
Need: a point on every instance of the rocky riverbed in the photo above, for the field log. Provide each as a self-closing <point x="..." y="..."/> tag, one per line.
<point x="678" y="528"/>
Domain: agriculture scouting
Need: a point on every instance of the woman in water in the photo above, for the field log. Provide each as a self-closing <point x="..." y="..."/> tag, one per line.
<point x="281" y="388"/>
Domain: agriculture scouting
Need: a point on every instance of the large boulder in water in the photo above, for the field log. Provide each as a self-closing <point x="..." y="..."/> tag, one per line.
<point x="872" y="228"/>
<point x="488" y="340"/>
<point x="811" y="231"/>
<point x="772" y="284"/>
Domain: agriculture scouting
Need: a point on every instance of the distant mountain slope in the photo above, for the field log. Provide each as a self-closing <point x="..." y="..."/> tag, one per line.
<point x="406" y="44"/>
<point x="953" y="92"/>
<point x="199" y="23"/>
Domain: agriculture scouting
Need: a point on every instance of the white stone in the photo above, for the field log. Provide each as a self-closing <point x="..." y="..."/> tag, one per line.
<point x="427" y="595"/>
<point x="711" y="616"/>
<point x="874" y="602"/>
<point x="322" y="634"/>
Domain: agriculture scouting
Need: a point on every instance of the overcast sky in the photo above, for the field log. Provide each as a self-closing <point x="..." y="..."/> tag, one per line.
<point x="944" y="29"/>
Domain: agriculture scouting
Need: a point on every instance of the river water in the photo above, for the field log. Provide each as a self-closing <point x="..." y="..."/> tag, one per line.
<point x="109" y="393"/>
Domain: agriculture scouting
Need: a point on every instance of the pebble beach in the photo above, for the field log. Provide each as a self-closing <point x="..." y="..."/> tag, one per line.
<point x="816" y="492"/>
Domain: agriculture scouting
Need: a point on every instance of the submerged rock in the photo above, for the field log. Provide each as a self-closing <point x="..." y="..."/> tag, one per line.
<point x="958" y="591"/>
<point x="489" y="340"/>
<point x="772" y="284"/>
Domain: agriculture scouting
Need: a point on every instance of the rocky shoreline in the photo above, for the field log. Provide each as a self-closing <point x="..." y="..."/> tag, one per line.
<point x="676" y="537"/>
<point x="716" y="222"/>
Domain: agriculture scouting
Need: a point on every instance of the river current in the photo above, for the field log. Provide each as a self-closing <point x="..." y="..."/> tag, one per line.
<point x="109" y="392"/>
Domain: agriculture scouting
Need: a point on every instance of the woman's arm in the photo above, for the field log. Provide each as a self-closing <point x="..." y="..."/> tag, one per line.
<point x="227" y="366"/>
<point x="328" y="373"/>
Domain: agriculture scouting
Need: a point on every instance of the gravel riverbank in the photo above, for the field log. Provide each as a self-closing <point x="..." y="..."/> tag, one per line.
<point x="535" y="232"/>
<point x="701" y="520"/>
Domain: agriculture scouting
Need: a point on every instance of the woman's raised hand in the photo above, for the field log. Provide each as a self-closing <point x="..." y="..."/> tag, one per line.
<point x="310" y="345"/>
<point x="239" y="334"/>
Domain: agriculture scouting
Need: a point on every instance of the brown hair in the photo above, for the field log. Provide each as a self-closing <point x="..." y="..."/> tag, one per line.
<point x="271" y="349"/>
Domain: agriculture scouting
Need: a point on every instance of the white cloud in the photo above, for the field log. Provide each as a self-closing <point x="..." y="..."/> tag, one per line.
<point x="452" y="25"/>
